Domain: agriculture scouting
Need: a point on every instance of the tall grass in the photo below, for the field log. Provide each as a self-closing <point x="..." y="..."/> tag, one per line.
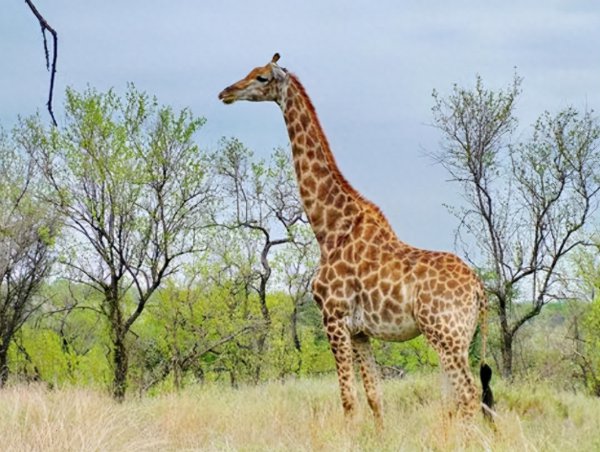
<point x="302" y="415"/>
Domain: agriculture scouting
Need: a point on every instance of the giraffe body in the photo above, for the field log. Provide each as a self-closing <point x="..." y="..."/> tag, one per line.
<point x="369" y="283"/>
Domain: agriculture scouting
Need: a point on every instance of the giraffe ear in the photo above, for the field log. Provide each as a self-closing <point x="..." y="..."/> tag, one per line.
<point x="278" y="73"/>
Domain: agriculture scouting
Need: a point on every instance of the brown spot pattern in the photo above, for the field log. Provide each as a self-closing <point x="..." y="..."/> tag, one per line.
<point x="370" y="284"/>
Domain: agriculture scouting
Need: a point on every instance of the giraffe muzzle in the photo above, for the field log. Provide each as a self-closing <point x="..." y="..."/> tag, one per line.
<point x="227" y="96"/>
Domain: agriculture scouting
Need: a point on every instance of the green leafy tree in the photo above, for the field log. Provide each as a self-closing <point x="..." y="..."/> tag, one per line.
<point x="585" y="320"/>
<point x="588" y="353"/>
<point x="28" y="228"/>
<point x="132" y="186"/>
<point x="263" y="206"/>
<point x="297" y="264"/>
<point x="527" y="205"/>
<point x="72" y="318"/>
<point x="184" y="336"/>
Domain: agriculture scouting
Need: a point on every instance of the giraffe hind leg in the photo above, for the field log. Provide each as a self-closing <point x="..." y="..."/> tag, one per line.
<point x="370" y="376"/>
<point x="454" y="359"/>
<point x="456" y="368"/>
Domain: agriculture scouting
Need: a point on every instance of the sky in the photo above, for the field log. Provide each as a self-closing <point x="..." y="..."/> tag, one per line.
<point x="368" y="66"/>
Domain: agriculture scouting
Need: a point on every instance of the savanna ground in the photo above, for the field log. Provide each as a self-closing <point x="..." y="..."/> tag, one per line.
<point x="300" y="415"/>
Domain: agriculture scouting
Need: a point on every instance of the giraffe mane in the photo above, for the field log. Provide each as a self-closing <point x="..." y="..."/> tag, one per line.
<point x="370" y="206"/>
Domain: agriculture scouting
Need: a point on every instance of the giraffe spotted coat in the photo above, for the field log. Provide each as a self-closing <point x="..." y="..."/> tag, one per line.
<point x="369" y="283"/>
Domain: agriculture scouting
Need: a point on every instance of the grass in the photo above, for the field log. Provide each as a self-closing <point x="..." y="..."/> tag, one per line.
<point x="302" y="415"/>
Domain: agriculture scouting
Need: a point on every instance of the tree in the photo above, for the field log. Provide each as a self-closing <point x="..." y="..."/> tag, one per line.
<point x="585" y="319"/>
<point x="527" y="205"/>
<point x="297" y="265"/>
<point x="66" y="340"/>
<point x="133" y="189"/>
<point x="266" y="208"/>
<point x="191" y="325"/>
<point x="587" y="356"/>
<point x="27" y="232"/>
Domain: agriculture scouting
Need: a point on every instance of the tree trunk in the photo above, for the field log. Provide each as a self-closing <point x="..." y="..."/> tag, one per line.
<point x="261" y="346"/>
<point x="3" y="364"/>
<point x="507" y="355"/>
<point x="118" y="335"/>
<point x="262" y="338"/>
<point x="233" y="379"/>
<point x="296" y="338"/>
<point x="177" y="372"/>
<point x="121" y="364"/>
<point x="506" y="336"/>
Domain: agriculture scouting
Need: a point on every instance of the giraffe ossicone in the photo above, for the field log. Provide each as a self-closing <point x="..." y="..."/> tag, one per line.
<point x="369" y="283"/>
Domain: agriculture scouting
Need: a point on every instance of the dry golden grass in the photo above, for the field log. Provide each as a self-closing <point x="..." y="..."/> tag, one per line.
<point x="301" y="415"/>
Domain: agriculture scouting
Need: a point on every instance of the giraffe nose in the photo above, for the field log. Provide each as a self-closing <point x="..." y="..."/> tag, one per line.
<point x="223" y="93"/>
<point x="226" y="95"/>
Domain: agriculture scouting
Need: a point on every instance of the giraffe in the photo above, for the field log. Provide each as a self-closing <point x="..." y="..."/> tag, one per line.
<point x="369" y="284"/>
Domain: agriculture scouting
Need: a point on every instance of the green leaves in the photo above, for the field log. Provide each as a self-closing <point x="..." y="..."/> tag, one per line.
<point x="527" y="204"/>
<point x="474" y="123"/>
<point x="130" y="183"/>
<point x="28" y="228"/>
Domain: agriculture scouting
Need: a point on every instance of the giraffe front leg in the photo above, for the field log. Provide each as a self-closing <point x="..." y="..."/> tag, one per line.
<point x="341" y="346"/>
<point x="370" y="375"/>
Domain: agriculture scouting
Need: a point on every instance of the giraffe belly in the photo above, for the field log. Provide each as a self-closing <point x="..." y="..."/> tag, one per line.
<point x="397" y="332"/>
<point x="392" y="322"/>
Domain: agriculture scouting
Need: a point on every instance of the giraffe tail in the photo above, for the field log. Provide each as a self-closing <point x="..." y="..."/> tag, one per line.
<point x="485" y="371"/>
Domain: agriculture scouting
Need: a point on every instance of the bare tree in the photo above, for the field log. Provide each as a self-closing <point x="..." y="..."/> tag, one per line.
<point x="527" y="205"/>
<point x="27" y="232"/>
<point x="132" y="186"/>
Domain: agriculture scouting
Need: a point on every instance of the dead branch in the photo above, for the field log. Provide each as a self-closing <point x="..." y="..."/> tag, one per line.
<point x="45" y="26"/>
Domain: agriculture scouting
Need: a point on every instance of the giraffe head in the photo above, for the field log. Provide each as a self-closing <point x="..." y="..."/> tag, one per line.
<point x="261" y="84"/>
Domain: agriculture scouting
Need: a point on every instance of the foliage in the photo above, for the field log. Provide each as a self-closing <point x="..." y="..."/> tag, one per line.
<point x="412" y="356"/>
<point x="527" y="205"/>
<point x="28" y="229"/>
<point x="48" y="360"/>
<point x="131" y="184"/>
<point x="240" y="309"/>
<point x="585" y="321"/>
<point x="266" y="216"/>
<point x="178" y="269"/>
<point x="589" y="354"/>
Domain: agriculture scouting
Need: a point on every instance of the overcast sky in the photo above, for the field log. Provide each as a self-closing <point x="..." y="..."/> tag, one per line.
<point x="369" y="67"/>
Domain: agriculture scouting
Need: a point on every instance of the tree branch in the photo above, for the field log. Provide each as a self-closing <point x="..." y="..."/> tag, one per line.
<point x="50" y="67"/>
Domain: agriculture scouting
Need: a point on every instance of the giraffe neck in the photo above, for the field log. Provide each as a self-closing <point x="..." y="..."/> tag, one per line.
<point x="332" y="205"/>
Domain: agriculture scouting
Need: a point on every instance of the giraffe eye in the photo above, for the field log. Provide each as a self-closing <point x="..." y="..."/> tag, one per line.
<point x="262" y="79"/>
